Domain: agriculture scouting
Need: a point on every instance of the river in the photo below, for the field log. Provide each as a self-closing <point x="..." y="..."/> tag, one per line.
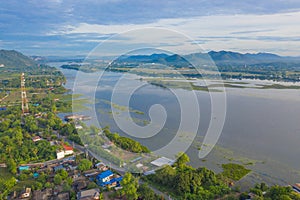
<point x="261" y="130"/>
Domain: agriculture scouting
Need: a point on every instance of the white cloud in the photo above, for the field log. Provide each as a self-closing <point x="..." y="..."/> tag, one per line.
<point x="273" y="32"/>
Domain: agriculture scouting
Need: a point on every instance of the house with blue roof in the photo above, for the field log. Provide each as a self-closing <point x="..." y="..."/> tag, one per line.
<point x="107" y="178"/>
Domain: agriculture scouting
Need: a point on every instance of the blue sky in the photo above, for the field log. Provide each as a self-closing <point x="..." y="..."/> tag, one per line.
<point x="72" y="27"/>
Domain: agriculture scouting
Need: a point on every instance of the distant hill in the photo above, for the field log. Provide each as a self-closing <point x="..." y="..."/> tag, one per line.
<point x="221" y="58"/>
<point x="11" y="59"/>
<point x="248" y="58"/>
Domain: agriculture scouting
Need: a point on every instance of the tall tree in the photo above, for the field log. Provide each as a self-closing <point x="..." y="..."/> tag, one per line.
<point x="129" y="184"/>
<point x="182" y="160"/>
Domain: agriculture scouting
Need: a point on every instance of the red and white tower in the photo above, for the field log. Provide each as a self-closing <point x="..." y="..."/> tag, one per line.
<point x="25" y="108"/>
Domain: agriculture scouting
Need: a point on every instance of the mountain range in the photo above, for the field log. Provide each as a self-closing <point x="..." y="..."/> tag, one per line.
<point x="220" y="58"/>
<point x="12" y="58"/>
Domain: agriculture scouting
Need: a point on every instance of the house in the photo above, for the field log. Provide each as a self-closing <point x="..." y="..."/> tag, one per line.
<point x="23" y="168"/>
<point x="89" y="194"/>
<point x="60" y="154"/>
<point x="296" y="187"/>
<point x="162" y="161"/>
<point x="26" y="193"/>
<point x="108" y="179"/>
<point x="42" y="194"/>
<point x="59" y="167"/>
<point x="106" y="145"/>
<point x="115" y="182"/>
<point x="81" y="184"/>
<point x="92" y="172"/>
<point x="104" y="177"/>
<point x="62" y="196"/>
<point x="78" y="127"/>
<point x="68" y="149"/>
<point x="36" y="138"/>
<point x="101" y="166"/>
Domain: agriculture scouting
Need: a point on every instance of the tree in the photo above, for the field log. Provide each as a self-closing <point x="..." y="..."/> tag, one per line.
<point x="38" y="186"/>
<point x="166" y="175"/>
<point x="48" y="185"/>
<point x="277" y="192"/>
<point x="182" y="160"/>
<point x="63" y="173"/>
<point x="146" y="193"/>
<point x="66" y="187"/>
<point x="19" y="137"/>
<point x="92" y="185"/>
<point x="129" y="184"/>
<point x="57" y="179"/>
<point x="85" y="164"/>
<point x="12" y="166"/>
<point x="69" y="180"/>
<point x="101" y="197"/>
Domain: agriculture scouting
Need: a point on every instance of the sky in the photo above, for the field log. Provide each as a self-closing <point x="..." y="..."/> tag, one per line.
<point x="73" y="27"/>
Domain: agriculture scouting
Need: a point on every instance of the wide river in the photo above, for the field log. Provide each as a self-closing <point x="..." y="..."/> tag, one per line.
<point x="262" y="126"/>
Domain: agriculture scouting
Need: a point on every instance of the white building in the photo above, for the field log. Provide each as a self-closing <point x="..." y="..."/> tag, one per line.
<point x="60" y="154"/>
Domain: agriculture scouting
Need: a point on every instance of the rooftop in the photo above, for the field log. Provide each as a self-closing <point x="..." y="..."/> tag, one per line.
<point x="67" y="147"/>
<point x="105" y="174"/>
<point x="162" y="161"/>
<point x="94" y="193"/>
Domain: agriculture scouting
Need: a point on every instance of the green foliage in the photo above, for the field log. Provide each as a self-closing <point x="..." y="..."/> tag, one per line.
<point x="69" y="180"/>
<point x="146" y="193"/>
<point x="12" y="166"/>
<point x="85" y="164"/>
<point x="234" y="171"/>
<point x="126" y="143"/>
<point x="273" y="193"/>
<point x="279" y="193"/>
<point x="57" y="179"/>
<point x="48" y="185"/>
<point x="7" y="182"/>
<point x="129" y="184"/>
<point x="104" y="154"/>
<point x="92" y="185"/>
<point x="63" y="173"/>
<point x="182" y="160"/>
<point x="38" y="185"/>
<point x="66" y="187"/>
<point x="189" y="183"/>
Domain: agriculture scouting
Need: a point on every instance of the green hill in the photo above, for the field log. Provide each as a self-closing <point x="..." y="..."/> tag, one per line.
<point x="13" y="60"/>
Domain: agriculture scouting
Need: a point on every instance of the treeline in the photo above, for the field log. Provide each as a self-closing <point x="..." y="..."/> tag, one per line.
<point x="189" y="183"/>
<point x="125" y="143"/>
<point x="261" y="191"/>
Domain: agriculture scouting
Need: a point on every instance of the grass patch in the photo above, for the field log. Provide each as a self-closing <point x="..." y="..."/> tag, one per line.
<point x="180" y="85"/>
<point x="122" y="108"/>
<point x="23" y="184"/>
<point x="234" y="171"/>
<point x="5" y="174"/>
<point x="278" y="86"/>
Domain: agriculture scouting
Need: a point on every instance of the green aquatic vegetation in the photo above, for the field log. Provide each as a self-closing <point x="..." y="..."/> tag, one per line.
<point x="234" y="171"/>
